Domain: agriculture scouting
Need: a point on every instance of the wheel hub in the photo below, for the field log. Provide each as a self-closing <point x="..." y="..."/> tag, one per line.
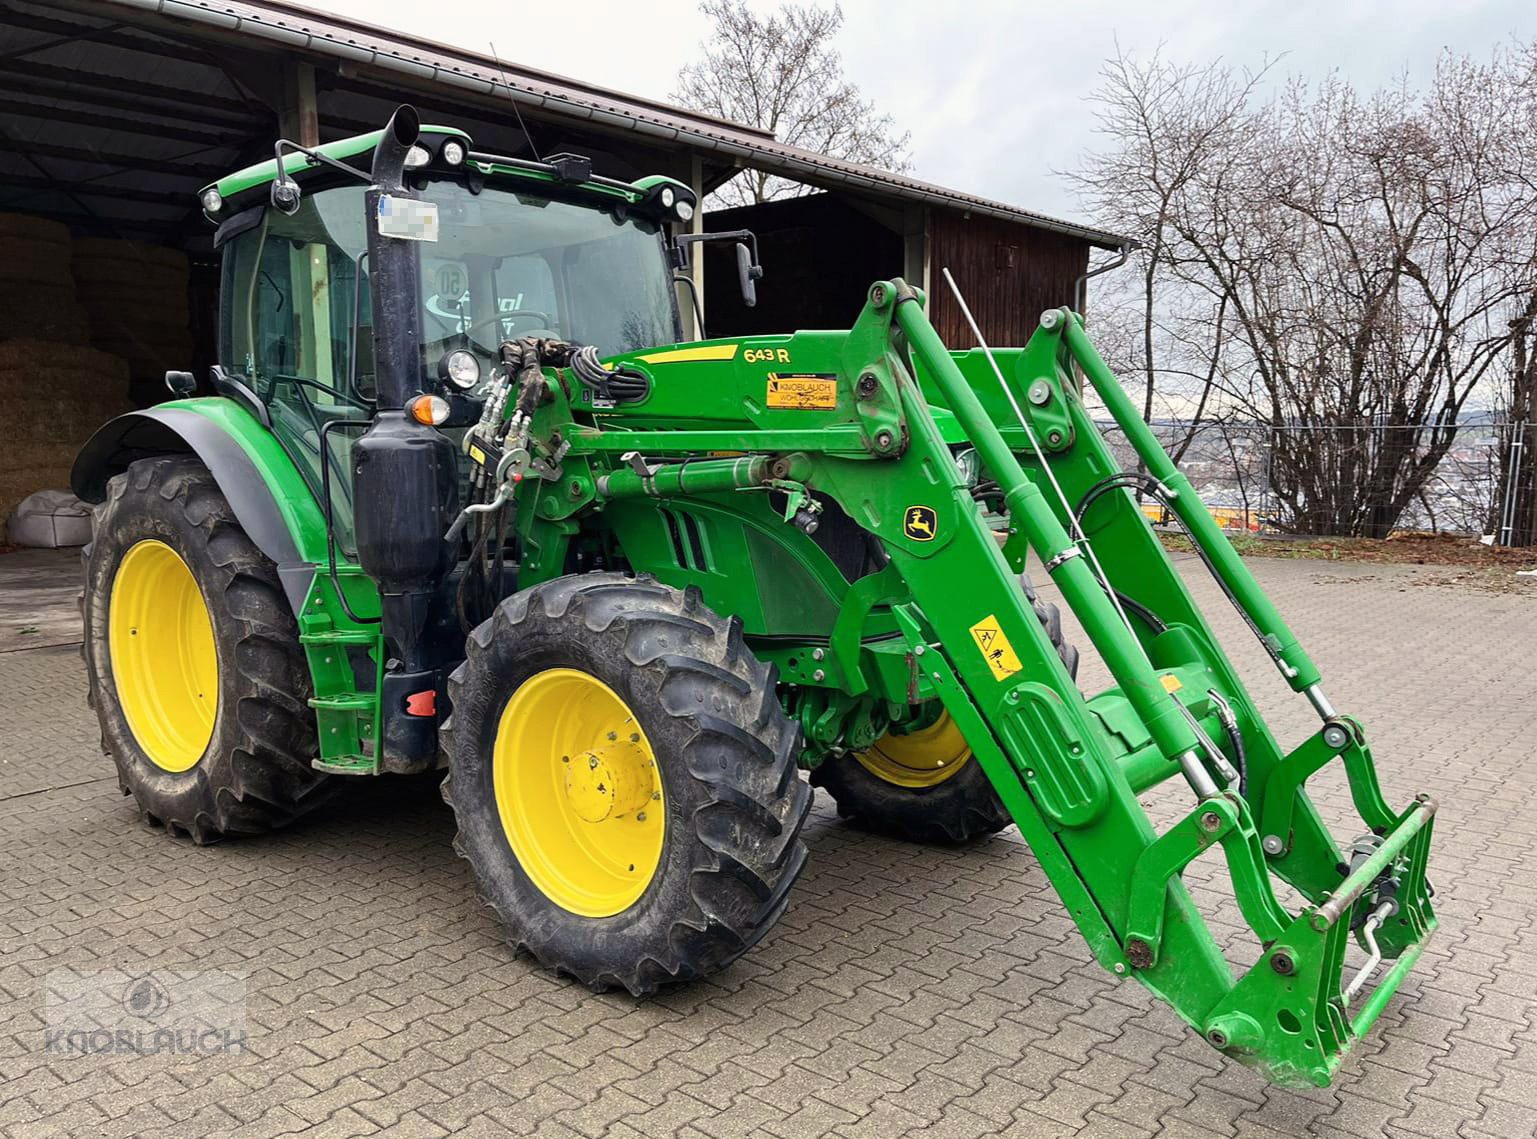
<point x="610" y="782"/>
<point x="923" y="757"/>
<point x="579" y="793"/>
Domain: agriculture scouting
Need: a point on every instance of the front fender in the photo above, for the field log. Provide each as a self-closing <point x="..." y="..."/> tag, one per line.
<point x="270" y="499"/>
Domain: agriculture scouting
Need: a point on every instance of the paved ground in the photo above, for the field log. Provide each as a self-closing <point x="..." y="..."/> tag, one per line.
<point x="940" y="992"/>
<point x="38" y="600"/>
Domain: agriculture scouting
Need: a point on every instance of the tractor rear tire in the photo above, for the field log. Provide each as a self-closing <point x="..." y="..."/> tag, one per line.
<point x="585" y="703"/>
<point x="193" y="659"/>
<point x="923" y="802"/>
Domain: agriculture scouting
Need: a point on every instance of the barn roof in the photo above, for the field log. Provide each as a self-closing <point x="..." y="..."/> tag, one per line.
<point x="484" y="75"/>
<point x="189" y="33"/>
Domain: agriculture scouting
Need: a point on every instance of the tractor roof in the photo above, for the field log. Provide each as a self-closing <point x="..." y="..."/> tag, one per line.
<point x="561" y="170"/>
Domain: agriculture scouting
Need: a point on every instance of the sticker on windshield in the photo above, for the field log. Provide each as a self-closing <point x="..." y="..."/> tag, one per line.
<point x="408" y="219"/>
<point x="813" y="391"/>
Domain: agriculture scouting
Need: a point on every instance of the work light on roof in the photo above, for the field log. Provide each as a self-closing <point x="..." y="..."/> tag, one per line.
<point x="453" y="152"/>
<point x="417" y="156"/>
<point x="684" y="209"/>
<point x="212" y="200"/>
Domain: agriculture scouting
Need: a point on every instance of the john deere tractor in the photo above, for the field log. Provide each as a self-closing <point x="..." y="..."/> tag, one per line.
<point x="461" y="497"/>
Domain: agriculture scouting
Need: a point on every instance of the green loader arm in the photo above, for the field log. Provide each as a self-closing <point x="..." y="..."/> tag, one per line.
<point x="716" y="481"/>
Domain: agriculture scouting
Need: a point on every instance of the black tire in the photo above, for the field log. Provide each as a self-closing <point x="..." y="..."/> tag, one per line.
<point x="255" y="773"/>
<point x="726" y="756"/>
<point x="962" y="808"/>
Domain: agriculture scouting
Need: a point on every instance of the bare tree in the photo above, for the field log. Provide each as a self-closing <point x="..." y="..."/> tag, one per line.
<point x="1514" y="502"/>
<point x="782" y="72"/>
<point x="1366" y="255"/>
<point x="1168" y="126"/>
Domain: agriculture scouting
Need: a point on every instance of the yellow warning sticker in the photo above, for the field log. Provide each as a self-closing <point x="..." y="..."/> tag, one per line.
<point x="1170" y="682"/>
<point x="803" y="392"/>
<point x="995" y="647"/>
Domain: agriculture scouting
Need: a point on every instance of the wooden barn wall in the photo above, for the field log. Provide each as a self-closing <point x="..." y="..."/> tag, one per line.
<point x="1009" y="274"/>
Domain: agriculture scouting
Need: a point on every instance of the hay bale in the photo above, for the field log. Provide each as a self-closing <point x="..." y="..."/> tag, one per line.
<point x="105" y="250"/>
<point x="32" y="467"/>
<point x="66" y="418"/>
<point x="25" y="358"/>
<point x="138" y="318"/>
<point x="64" y="391"/>
<point x="25" y="262"/>
<point x="37" y="292"/>
<point x="112" y="280"/>
<point x="27" y="227"/>
<point x="149" y="353"/>
<point x="136" y="297"/>
<point x="33" y="251"/>
<point x="43" y="312"/>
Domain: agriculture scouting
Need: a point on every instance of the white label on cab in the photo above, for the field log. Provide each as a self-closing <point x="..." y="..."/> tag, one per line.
<point x="408" y="219"/>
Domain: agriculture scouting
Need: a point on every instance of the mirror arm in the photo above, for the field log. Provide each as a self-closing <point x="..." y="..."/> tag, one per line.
<point x="285" y="191"/>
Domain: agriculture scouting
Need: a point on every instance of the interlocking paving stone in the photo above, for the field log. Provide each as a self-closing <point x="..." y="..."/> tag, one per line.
<point x="909" y="990"/>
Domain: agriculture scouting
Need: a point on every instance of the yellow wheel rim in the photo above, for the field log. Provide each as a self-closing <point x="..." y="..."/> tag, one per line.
<point x="922" y="758"/>
<point x="578" y="792"/>
<point x="164" y="663"/>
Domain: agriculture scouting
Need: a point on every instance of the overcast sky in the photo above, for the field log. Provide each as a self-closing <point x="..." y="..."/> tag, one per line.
<point x="994" y="92"/>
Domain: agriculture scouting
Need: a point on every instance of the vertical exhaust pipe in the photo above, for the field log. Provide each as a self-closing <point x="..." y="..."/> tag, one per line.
<point x="403" y="472"/>
<point x="395" y="270"/>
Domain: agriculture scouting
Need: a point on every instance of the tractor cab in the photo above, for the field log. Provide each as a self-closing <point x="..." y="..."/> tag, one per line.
<point x="506" y="249"/>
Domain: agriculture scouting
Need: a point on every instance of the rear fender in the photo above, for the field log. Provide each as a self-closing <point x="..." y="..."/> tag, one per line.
<point x="270" y="499"/>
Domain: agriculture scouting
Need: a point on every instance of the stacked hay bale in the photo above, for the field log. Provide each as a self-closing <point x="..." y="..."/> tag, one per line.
<point x="37" y="289"/>
<point x="136" y="297"/>
<point x="57" y="395"/>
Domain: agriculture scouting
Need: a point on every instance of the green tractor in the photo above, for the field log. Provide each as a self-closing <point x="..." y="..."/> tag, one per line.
<point x="463" y="499"/>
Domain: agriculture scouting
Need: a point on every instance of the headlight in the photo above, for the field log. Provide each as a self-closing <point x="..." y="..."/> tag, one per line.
<point x="418" y="155"/>
<point x="453" y="152"/>
<point x="970" y="464"/>
<point x="684" y="210"/>
<point x="212" y="200"/>
<point x="667" y="197"/>
<point x="460" y="368"/>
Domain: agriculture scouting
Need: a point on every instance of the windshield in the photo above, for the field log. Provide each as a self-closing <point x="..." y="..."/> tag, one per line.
<point x="505" y="265"/>
<point x="296" y="321"/>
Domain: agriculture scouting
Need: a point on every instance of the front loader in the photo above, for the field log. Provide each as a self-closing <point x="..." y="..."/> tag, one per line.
<point x="464" y="497"/>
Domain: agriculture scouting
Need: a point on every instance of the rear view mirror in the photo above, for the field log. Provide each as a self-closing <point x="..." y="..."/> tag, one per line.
<point x="748" y="270"/>
<point x="747" y="274"/>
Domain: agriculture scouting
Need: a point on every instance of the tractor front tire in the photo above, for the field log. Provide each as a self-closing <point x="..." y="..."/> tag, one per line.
<point x="193" y="661"/>
<point x="925" y="785"/>
<point x="624" y="781"/>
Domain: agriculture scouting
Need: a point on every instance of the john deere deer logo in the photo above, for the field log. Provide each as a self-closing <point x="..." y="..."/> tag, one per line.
<point x="919" y="523"/>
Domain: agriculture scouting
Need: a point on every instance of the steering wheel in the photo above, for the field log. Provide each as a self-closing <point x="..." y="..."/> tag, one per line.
<point x="499" y="321"/>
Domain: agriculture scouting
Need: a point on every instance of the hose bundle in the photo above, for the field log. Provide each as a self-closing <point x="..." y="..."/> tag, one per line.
<point x="608" y="385"/>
